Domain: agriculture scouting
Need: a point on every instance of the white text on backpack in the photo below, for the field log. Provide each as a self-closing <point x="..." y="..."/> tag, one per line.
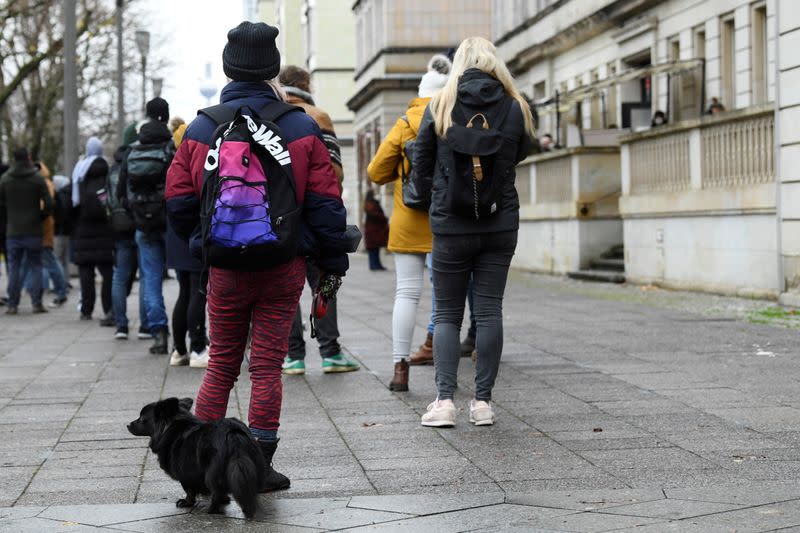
<point x="269" y="140"/>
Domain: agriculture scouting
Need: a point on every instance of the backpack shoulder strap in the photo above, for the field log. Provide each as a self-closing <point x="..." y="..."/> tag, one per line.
<point x="219" y="113"/>
<point x="275" y="110"/>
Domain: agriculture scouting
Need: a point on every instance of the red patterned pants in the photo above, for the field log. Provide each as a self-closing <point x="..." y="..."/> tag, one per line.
<point x="235" y="299"/>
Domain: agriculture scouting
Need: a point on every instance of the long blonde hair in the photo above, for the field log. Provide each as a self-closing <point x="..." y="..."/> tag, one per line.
<point x="475" y="52"/>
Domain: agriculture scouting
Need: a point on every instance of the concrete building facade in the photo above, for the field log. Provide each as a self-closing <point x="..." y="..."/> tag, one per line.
<point x="319" y="35"/>
<point x="394" y="41"/>
<point x="706" y="202"/>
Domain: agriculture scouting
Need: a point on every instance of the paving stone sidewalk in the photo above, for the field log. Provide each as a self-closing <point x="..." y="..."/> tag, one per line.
<point x="613" y="414"/>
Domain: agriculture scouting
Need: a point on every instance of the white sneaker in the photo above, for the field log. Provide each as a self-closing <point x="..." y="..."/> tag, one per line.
<point x="199" y="360"/>
<point x="178" y="359"/>
<point x="441" y="414"/>
<point x="481" y="413"/>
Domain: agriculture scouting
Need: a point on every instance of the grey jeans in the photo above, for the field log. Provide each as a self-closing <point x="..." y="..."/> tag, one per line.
<point x="486" y="258"/>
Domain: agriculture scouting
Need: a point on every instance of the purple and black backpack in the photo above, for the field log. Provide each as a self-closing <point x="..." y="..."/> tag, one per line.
<point x="249" y="216"/>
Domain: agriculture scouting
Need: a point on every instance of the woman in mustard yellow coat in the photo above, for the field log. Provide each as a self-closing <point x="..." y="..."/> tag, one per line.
<point x="410" y="235"/>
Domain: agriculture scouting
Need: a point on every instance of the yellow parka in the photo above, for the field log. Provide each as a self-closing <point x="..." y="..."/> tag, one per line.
<point x="409" y="229"/>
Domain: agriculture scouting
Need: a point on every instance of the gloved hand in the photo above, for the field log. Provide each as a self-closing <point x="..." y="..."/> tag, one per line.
<point x="325" y="293"/>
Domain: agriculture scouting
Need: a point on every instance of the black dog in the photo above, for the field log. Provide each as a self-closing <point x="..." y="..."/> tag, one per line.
<point x="216" y="458"/>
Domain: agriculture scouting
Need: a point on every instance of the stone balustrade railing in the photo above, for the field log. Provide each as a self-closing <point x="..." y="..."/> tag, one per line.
<point x="726" y="151"/>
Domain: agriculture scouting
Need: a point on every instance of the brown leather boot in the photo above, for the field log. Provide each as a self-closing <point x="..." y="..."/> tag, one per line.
<point x="399" y="382"/>
<point x="423" y="356"/>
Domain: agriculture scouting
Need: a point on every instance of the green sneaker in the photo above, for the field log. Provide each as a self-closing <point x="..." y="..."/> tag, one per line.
<point x="338" y="363"/>
<point x="294" y="367"/>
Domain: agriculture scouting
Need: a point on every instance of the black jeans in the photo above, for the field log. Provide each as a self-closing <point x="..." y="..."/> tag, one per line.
<point x="189" y="313"/>
<point x="486" y="258"/>
<point x="88" y="294"/>
<point x="327" y="327"/>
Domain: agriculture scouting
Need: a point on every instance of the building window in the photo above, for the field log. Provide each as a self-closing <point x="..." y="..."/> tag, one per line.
<point x="759" y="50"/>
<point x="675" y="85"/>
<point x="727" y="58"/>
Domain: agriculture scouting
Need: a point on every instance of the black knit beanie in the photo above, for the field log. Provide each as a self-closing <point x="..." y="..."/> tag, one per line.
<point x="251" y="53"/>
<point x="158" y="109"/>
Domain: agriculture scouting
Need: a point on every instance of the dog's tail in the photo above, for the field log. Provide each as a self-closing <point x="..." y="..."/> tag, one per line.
<point x="243" y="483"/>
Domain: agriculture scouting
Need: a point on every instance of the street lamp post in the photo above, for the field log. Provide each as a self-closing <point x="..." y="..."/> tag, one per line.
<point x="143" y="44"/>
<point x="158" y="84"/>
<point x="120" y="74"/>
<point x="70" y="87"/>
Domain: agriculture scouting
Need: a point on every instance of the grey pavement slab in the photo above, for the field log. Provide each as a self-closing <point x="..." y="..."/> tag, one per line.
<point x="615" y="409"/>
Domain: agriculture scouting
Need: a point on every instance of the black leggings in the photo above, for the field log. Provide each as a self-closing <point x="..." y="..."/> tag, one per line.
<point x="189" y="314"/>
<point x="88" y="294"/>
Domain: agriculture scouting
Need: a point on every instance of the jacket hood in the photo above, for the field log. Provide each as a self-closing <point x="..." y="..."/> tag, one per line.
<point x="154" y="132"/>
<point x="246" y="90"/>
<point x="22" y="170"/>
<point x="416" y="108"/>
<point x="119" y="155"/>
<point x="298" y="93"/>
<point x="478" y="89"/>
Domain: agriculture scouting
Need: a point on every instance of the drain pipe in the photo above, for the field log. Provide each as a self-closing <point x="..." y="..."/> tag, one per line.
<point x="777" y="158"/>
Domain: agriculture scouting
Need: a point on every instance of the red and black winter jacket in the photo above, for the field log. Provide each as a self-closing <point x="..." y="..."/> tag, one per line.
<point x="324" y="215"/>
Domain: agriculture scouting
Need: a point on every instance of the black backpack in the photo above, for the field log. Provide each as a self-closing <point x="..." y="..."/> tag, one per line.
<point x="475" y="184"/>
<point x="416" y="189"/>
<point x="120" y="219"/>
<point x="250" y="217"/>
<point x="147" y="170"/>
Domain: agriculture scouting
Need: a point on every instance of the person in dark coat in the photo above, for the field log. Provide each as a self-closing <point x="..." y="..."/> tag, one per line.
<point x="189" y="313"/>
<point x="474" y="235"/>
<point x="93" y="234"/>
<point x="376" y="230"/>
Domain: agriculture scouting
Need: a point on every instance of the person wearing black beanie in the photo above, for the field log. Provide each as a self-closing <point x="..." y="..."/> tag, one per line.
<point x="251" y="53"/>
<point x="263" y="302"/>
<point x="157" y="109"/>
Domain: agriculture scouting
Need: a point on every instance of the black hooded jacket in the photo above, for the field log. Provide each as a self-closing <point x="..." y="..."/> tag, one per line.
<point x="478" y="92"/>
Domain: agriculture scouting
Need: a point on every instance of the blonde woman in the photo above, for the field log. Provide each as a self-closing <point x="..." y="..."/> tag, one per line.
<point x="409" y="230"/>
<point x="472" y="136"/>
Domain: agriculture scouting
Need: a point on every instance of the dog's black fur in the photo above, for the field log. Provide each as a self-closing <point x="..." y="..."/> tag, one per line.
<point x="216" y="458"/>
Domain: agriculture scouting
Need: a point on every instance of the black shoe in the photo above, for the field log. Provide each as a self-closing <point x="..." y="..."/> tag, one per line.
<point x="144" y="333"/>
<point x="11" y="311"/>
<point x="3" y="300"/>
<point x="161" y="338"/>
<point x="86" y="317"/>
<point x="108" y="321"/>
<point x="39" y="309"/>
<point x="273" y="480"/>
<point x="58" y="302"/>
<point x="122" y="333"/>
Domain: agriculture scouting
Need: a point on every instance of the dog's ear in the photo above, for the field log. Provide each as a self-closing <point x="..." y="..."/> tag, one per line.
<point x="186" y="403"/>
<point x="169" y="407"/>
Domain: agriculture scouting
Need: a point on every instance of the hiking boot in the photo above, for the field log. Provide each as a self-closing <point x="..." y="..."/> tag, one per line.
<point x="178" y="359"/>
<point x="121" y="333"/>
<point x="39" y="309"/>
<point x="338" y="363"/>
<point x="144" y="333"/>
<point x="160" y="340"/>
<point x="108" y="321"/>
<point x="423" y="356"/>
<point x="273" y="480"/>
<point x="57" y="302"/>
<point x="481" y="413"/>
<point x="467" y="346"/>
<point x="399" y="381"/>
<point x="294" y="367"/>
<point x="441" y="414"/>
<point x="198" y="359"/>
<point x="11" y="311"/>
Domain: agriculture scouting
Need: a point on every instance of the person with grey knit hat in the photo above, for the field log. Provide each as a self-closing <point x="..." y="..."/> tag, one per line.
<point x="410" y="236"/>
